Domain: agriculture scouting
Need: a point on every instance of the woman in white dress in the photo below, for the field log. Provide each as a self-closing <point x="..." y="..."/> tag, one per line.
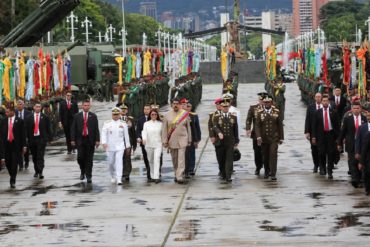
<point x="152" y="139"/>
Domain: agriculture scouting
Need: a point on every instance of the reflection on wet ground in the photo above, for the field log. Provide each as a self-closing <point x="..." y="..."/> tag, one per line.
<point x="187" y="229"/>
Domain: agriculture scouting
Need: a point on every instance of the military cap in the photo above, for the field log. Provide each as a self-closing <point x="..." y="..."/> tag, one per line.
<point x="218" y="101"/>
<point x="262" y="95"/>
<point x="123" y="107"/>
<point x="116" y="111"/>
<point x="153" y="106"/>
<point x="227" y="96"/>
<point x="183" y="101"/>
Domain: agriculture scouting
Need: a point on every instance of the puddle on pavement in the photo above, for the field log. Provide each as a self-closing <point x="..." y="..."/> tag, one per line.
<point x="72" y="227"/>
<point x="8" y="229"/>
<point x="216" y="199"/>
<point x="287" y="231"/>
<point x="167" y="210"/>
<point x="268" y="205"/>
<point x="84" y="188"/>
<point x="140" y="202"/>
<point x="362" y="204"/>
<point x="131" y="231"/>
<point x="47" y="206"/>
<point x="187" y="229"/>
<point x="315" y="195"/>
<point x="83" y="203"/>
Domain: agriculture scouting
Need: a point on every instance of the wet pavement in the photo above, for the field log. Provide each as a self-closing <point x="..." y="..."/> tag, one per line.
<point x="300" y="208"/>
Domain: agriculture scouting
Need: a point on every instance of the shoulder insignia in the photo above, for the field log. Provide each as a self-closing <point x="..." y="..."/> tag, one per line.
<point x="193" y="113"/>
<point x="130" y="117"/>
<point x="233" y="114"/>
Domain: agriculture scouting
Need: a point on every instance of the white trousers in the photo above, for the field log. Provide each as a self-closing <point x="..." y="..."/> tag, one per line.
<point x="115" y="162"/>
<point x="154" y="156"/>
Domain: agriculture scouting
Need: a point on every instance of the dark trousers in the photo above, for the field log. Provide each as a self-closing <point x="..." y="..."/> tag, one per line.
<point x="85" y="155"/>
<point x="189" y="159"/>
<point x="269" y="154"/>
<point x="315" y="156"/>
<point x="11" y="160"/>
<point x="258" y="161"/>
<point x="225" y="155"/>
<point x="127" y="165"/>
<point x="37" y="149"/>
<point x="146" y="161"/>
<point x="327" y="152"/>
<point x="67" y="133"/>
<point x="366" y="174"/>
<point x="24" y="159"/>
<point x="353" y="168"/>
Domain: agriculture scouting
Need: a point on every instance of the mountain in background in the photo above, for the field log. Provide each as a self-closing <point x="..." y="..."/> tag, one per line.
<point x="184" y="6"/>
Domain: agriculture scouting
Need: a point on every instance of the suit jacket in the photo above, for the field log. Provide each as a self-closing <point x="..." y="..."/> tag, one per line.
<point x="196" y="134"/>
<point x="339" y="108"/>
<point x="310" y="114"/>
<point x="26" y="114"/>
<point x="318" y="126"/>
<point x="140" y="126"/>
<point x="365" y="152"/>
<point x="44" y="128"/>
<point x="360" y="138"/>
<point x="269" y="126"/>
<point x="212" y="115"/>
<point x="19" y="134"/>
<point x="181" y="137"/>
<point x="348" y="132"/>
<point x="92" y="127"/>
<point x="66" y="115"/>
<point x="2" y="153"/>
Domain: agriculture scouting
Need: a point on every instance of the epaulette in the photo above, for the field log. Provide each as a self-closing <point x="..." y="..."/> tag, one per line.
<point x="261" y="110"/>
<point x="350" y="114"/>
<point x="193" y="113"/>
<point x="233" y="113"/>
<point x="276" y="109"/>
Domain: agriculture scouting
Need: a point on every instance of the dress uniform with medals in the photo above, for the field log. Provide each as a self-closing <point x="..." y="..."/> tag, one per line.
<point x="212" y="135"/>
<point x="130" y="121"/>
<point x="225" y="128"/>
<point x="251" y="131"/>
<point x="115" y="140"/>
<point x="269" y="133"/>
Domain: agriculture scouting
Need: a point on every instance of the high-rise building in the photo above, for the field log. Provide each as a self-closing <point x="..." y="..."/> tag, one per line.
<point x="306" y="15"/>
<point x="149" y="9"/>
<point x="278" y="21"/>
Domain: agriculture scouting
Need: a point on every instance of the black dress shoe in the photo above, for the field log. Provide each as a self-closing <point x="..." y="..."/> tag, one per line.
<point x="187" y="176"/>
<point x="69" y="152"/>
<point x="41" y="176"/>
<point x="21" y="168"/>
<point x="192" y="173"/>
<point x="257" y="172"/>
<point x="157" y="181"/>
<point x="349" y="172"/>
<point x="175" y="180"/>
<point x="89" y="181"/>
<point x="315" y="170"/>
<point x="322" y="173"/>
<point x="26" y="165"/>
<point x="12" y="185"/>
<point x="330" y="176"/>
<point x="266" y="176"/>
<point x="273" y="178"/>
<point x="35" y="175"/>
<point x="82" y="176"/>
<point x="127" y="178"/>
<point x="229" y="180"/>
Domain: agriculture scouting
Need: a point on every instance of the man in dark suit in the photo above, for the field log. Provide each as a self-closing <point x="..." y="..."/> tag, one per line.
<point x="23" y="114"/>
<point x="85" y="135"/>
<point x="325" y="131"/>
<point x="338" y="102"/>
<point x="351" y="125"/>
<point x="38" y="134"/>
<point x="13" y="141"/>
<point x="139" y="129"/>
<point x="361" y="134"/>
<point x="67" y="109"/>
<point x="310" y="114"/>
<point x="364" y="164"/>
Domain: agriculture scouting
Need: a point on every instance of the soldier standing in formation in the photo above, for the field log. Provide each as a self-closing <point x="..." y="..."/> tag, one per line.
<point x="176" y="136"/>
<point x="67" y="109"/>
<point x="226" y="134"/>
<point x="269" y="133"/>
<point x="130" y="121"/>
<point x="251" y="131"/>
<point x="115" y="140"/>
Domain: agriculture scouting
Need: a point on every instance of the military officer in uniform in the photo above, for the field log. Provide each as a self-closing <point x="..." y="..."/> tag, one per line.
<point x="251" y="131"/>
<point x="210" y="127"/>
<point x="225" y="128"/>
<point x="269" y="133"/>
<point x="115" y="140"/>
<point x="129" y="120"/>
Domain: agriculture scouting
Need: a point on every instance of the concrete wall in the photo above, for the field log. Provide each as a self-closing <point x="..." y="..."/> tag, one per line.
<point x="249" y="71"/>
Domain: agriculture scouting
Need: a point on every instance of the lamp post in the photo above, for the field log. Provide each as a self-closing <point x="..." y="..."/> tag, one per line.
<point x="368" y="26"/>
<point x="72" y="19"/>
<point x="111" y="30"/>
<point x="86" y="24"/>
<point x="123" y="34"/>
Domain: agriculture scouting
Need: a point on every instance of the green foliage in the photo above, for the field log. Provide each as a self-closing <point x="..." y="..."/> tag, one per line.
<point x="215" y="41"/>
<point x="339" y="19"/>
<point x="137" y="25"/>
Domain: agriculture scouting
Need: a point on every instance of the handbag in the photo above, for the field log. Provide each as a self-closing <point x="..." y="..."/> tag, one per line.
<point x="237" y="154"/>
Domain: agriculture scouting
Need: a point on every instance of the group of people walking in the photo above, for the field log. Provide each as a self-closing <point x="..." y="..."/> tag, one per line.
<point x="335" y="124"/>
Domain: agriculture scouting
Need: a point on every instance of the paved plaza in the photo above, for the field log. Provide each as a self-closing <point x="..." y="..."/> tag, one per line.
<point x="299" y="209"/>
